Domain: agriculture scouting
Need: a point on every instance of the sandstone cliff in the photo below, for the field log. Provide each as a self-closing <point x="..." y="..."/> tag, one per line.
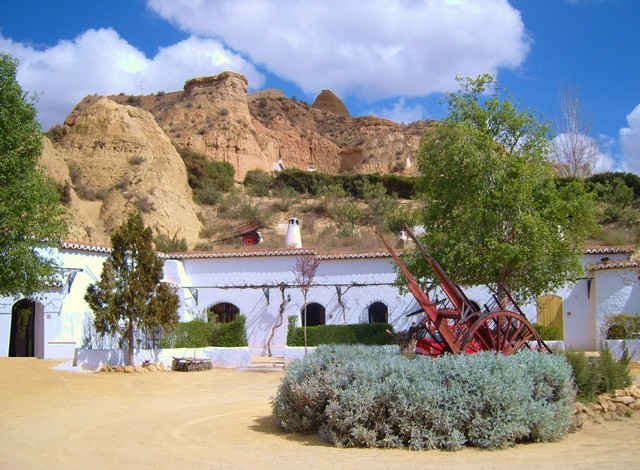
<point x="215" y="116"/>
<point x="118" y="153"/>
<point x="114" y="159"/>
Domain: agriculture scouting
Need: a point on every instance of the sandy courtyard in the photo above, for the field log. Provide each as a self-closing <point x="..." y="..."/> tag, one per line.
<point x="222" y="419"/>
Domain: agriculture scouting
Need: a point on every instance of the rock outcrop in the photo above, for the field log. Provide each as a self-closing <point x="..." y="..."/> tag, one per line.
<point x="117" y="159"/>
<point x="118" y="153"/>
<point x="216" y="117"/>
<point x="329" y="102"/>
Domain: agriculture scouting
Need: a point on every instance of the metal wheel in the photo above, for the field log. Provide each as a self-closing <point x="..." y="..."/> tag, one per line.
<point x="502" y="331"/>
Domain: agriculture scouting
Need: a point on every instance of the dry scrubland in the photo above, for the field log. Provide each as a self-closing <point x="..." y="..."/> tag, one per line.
<point x="222" y="419"/>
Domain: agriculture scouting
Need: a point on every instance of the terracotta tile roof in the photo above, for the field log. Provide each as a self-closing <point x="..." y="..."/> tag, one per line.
<point x="83" y="247"/>
<point x="609" y="250"/>
<point x="236" y="254"/>
<point x="339" y="256"/>
<point x="614" y="265"/>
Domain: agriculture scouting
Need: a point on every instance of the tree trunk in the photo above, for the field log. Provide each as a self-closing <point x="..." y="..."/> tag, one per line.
<point x="130" y="351"/>
<point x="305" y="324"/>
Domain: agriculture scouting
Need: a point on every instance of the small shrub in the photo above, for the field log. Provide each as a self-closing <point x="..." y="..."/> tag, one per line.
<point x="239" y="207"/>
<point x="123" y="184"/>
<point x="346" y="216"/>
<point x="203" y="173"/>
<point x="285" y="198"/>
<point x="220" y="175"/>
<point x="361" y="333"/>
<point x="548" y="332"/>
<point x="56" y="133"/>
<point x="208" y="196"/>
<point x="64" y="190"/>
<point x="166" y="243"/>
<point x="371" y="396"/>
<point x="596" y="375"/>
<point x="144" y="203"/>
<point x="136" y="160"/>
<point x="622" y="326"/>
<point x="258" y="183"/>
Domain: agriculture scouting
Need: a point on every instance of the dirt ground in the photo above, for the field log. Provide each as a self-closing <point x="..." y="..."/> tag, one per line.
<point x="222" y="419"/>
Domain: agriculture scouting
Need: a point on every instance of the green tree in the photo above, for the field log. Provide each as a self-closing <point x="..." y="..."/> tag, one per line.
<point x="31" y="216"/>
<point x="493" y="212"/>
<point x="129" y="295"/>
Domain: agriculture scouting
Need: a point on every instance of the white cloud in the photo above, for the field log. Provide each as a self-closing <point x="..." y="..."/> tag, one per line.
<point x="100" y="61"/>
<point x="375" y="49"/>
<point x="401" y="112"/>
<point x="630" y="142"/>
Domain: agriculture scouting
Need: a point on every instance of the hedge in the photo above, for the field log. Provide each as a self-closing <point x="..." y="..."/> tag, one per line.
<point x="311" y="182"/>
<point x="361" y="333"/>
<point x="200" y="334"/>
<point x="371" y="396"/>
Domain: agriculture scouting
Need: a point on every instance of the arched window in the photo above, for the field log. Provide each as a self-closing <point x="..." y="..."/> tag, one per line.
<point x="378" y="313"/>
<point x="223" y="312"/>
<point x="315" y="314"/>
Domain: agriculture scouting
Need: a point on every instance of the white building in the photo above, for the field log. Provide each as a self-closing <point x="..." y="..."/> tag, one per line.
<point x="348" y="288"/>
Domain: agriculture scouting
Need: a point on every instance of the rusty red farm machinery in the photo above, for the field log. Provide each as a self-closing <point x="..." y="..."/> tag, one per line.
<point x="455" y="324"/>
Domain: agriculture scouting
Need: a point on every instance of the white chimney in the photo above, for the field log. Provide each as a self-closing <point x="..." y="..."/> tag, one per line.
<point x="294" y="239"/>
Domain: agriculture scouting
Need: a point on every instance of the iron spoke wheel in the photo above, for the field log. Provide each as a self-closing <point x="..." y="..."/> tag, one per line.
<point x="502" y="331"/>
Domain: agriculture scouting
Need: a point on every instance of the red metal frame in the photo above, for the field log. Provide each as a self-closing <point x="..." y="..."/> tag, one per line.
<point x="461" y="326"/>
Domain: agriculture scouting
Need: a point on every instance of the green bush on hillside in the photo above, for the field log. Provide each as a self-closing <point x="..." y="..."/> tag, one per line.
<point x="312" y="182"/>
<point x="204" y="175"/>
<point x="371" y="396"/>
<point x="258" y="183"/>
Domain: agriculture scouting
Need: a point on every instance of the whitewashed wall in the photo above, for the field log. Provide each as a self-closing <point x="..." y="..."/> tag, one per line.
<point x="618" y="291"/>
<point x="204" y="282"/>
<point x="64" y="312"/>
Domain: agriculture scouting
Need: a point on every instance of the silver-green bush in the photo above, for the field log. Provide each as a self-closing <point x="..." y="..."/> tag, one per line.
<point x="371" y="396"/>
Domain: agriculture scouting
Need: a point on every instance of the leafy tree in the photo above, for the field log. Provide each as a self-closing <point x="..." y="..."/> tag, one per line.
<point x="129" y="295"/>
<point x="31" y="215"/>
<point x="493" y="212"/>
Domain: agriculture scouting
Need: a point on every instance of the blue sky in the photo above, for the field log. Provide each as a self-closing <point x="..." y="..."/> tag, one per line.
<point x="393" y="59"/>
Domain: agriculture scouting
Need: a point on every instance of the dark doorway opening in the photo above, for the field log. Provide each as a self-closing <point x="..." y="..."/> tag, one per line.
<point x="223" y="312"/>
<point x="378" y="313"/>
<point x="315" y="314"/>
<point x="22" y="339"/>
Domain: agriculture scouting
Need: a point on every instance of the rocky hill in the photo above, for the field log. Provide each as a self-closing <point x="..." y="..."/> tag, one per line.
<point x="217" y="117"/>
<point x="116" y="153"/>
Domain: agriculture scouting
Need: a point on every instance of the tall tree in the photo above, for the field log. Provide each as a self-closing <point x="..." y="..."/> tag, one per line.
<point x="574" y="150"/>
<point x="31" y="216"/>
<point x="493" y="213"/>
<point x="129" y="295"/>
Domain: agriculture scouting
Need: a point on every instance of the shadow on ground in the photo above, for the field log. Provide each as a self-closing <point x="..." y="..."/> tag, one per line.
<point x="268" y="425"/>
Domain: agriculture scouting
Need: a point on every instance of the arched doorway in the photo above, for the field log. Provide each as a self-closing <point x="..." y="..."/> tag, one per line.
<point x="223" y="312"/>
<point x="315" y="314"/>
<point x="27" y="329"/>
<point x="378" y="313"/>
